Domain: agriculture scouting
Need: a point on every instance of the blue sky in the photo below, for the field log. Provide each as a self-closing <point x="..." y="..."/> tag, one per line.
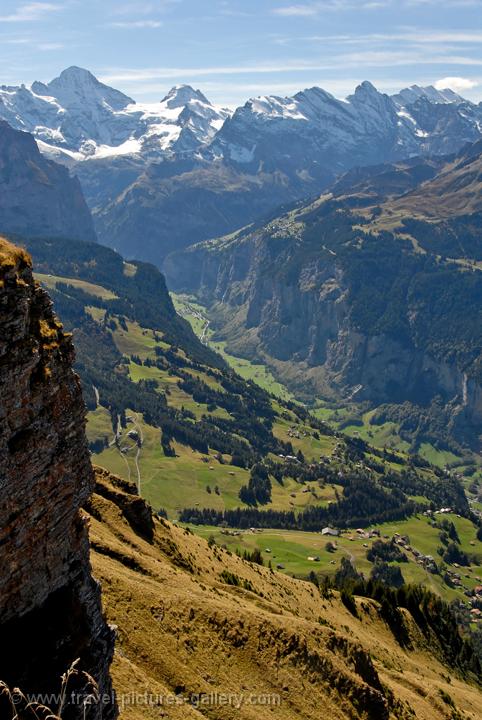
<point x="234" y="49"/>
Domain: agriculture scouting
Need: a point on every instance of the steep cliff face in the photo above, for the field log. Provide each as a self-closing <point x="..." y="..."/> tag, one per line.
<point x="50" y="607"/>
<point x="342" y="313"/>
<point x="37" y="196"/>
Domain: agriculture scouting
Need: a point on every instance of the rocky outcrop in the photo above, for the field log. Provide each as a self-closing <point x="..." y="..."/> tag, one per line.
<point x="50" y="607"/>
<point x="37" y="196"/>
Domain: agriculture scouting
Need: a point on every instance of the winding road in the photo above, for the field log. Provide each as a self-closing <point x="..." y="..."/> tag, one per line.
<point x="138" y="453"/>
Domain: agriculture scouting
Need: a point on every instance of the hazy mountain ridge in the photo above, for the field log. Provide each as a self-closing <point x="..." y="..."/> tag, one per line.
<point x="277" y="150"/>
<point x="187" y="170"/>
<point x="325" y="137"/>
<point x="38" y="196"/>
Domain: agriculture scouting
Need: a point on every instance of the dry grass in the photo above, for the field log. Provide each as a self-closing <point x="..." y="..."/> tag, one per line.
<point x="12" y="255"/>
<point x="19" y="707"/>
<point x="182" y="629"/>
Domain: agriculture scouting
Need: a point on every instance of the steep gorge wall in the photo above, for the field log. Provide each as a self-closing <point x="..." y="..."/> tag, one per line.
<point x="50" y="606"/>
<point x="275" y="303"/>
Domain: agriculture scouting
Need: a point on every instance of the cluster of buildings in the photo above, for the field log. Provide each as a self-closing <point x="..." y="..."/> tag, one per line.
<point x="294" y="432"/>
<point x="475" y="604"/>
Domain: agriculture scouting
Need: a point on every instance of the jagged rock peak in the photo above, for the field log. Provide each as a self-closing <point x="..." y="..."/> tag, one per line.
<point x="314" y="95"/>
<point x="366" y="95"/>
<point x="366" y="89"/>
<point x="315" y="90"/>
<point x="446" y="96"/>
<point x="180" y="95"/>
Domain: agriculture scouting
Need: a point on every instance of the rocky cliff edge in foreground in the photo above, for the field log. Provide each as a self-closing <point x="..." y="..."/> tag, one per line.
<point x="50" y="605"/>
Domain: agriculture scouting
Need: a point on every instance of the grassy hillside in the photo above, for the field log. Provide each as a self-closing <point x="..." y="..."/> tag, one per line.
<point x="301" y="553"/>
<point x="195" y="621"/>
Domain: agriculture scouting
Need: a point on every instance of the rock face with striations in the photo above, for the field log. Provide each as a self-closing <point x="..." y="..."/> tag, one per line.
<point x="50" y="605"/>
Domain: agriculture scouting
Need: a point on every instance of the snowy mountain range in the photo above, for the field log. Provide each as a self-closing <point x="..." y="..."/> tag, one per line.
<point x="368" y="127"/>
<point x="75" y="117"/>
<point x="167" y="174"/>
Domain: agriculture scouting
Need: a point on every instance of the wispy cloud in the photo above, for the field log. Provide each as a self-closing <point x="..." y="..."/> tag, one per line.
<point x="447" y="3"/>
<point x="316" y="7"/>
<point x="359" y="59"/>
<point x="296" y="10"/>
<point x="48" y="46"/>
<point x="16" y="41"/>
<point x="403" y="57"/>
<point x="226" y="8"/>
<point x="133" y="24"/>
<point x="421" y="36"/>
<point x="151" y="74"/>
<point x="30" y="12"/>
<point x="144" y="8"/>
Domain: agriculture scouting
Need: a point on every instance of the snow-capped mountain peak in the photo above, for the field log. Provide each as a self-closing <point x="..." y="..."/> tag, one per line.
<point x="180" y="95"/>
<point x="76" y="117"/>
<point x="366" y="94"/>
<point x="366" y="89"/>
<point x="367" y="127"/>
<point x="76" y="85"/>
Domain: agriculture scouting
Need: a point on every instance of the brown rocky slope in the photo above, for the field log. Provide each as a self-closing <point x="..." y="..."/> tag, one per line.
<point x="204" y="633"/>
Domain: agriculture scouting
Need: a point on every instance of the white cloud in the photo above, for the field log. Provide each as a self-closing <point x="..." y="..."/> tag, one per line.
<point x="152" y="74"/>
<point x="16" y="41"/>
<point x="447" y="3"/>
<point x="50" y="46"/>
<point x="296" y="10"/>
<point x="457" y="84"/>
<point x="365" y="59"/>
<point x="409" y="34"/>
<point x="137" y="24"/>
<point x="139" y="7"/>
<point x="30" y="12"/>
